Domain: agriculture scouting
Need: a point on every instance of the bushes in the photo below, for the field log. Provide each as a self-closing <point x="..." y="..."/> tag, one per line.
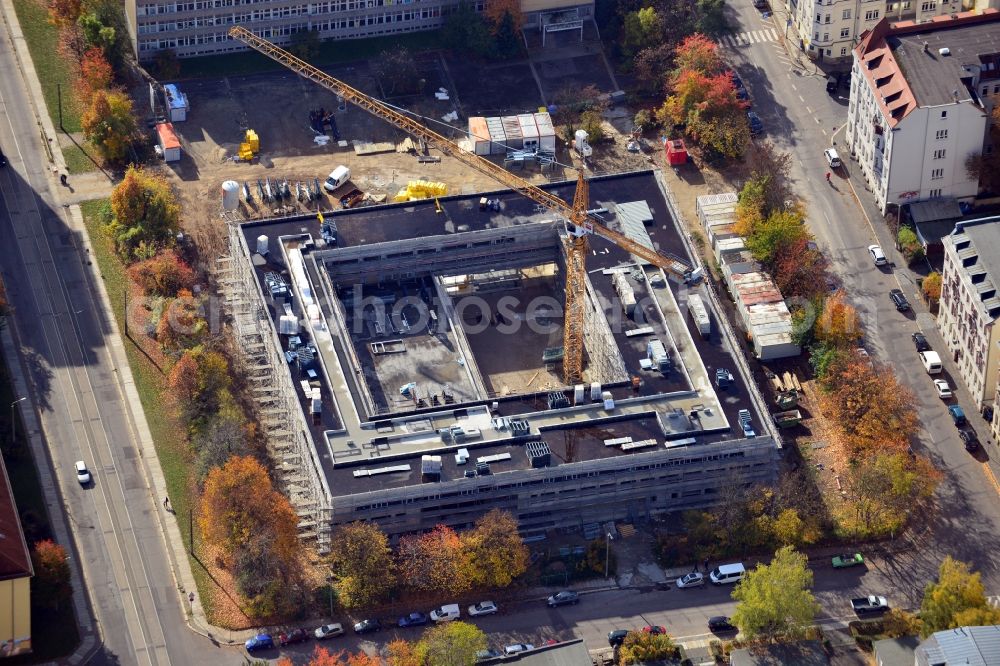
<point x="163" y="275"/>
<point x="910" y="245"/>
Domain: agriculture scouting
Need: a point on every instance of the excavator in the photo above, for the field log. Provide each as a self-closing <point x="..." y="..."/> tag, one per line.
<point x="579" y="223"/>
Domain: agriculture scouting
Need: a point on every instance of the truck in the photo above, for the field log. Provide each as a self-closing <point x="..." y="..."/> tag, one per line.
<point x="869" y="604"/>
<point x="699" y="314"/>
<point x="657" y="353"/>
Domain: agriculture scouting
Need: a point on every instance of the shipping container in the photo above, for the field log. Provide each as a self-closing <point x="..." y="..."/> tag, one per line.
<point x="512" y="128"/>
<point x="498" y="139"/>
<point x="479" y="135"/>
<point x="546" y="132"/>
<point x="529" y="131"/>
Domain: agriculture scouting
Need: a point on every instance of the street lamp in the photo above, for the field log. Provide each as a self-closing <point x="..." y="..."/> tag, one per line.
<point x="607" y="552"/>
<point x="13" y="423"/>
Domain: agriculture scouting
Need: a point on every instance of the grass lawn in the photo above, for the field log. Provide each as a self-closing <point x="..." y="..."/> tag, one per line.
<point x="43" y="38"/>
<point x="54" y="634"/>
<point x="330" y="52"/>
<point x="77" y="160"/>
<point x="171" y="449"/>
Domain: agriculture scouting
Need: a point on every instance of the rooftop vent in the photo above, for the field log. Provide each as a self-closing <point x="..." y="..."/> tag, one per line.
<point x="538" y="453"/>
<point x="944" y="51"/>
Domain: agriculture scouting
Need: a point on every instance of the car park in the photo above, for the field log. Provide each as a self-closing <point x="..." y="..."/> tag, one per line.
<point x="564" y="598"/>
<point x="259" y="642"/>
<point x="483" y="608"/>
<point x="878" y="256"/>
<point x="920" y="342"/>
<point x="720" y="623"/>
<point x="848" y="560"/>
<point x="617" y="637"/>
<point x="293" y="636"/>
<point x="654" y="629"/>
<point x="942" y="388"/>
<point x="415" y="619"/>
<point x="367" y="626"/>
<point x="756" y="124"/>
<point x="693" y="579"/>
<point x="899" y="300"/>
<point x="329" y="631"/>
<point x="517" y="648"/>
<point x="82" y="473"/>
<point x="832" y="158"/>
<point x="957" y="415"/>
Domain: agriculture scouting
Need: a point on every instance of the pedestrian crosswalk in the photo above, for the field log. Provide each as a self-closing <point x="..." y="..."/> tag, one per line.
<point x="993" y="601"/>
<point x="747" y="38"/>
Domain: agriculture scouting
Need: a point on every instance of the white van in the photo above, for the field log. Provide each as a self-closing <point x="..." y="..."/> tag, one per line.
<point x="337" y="177"/>
<point x="931" y="361"/>
<point x="832" y="158"/>
<point x="446" y="613"/>
<point x="727" y="574"/>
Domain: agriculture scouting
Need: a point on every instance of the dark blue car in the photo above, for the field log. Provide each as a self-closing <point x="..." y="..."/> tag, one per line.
<point x="413" y="620"/>
<point x="259" y="642"/>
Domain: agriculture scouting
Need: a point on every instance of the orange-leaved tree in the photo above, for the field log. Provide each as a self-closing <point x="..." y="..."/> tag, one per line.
<point x="402" y="653"/>
<point x="838" y="325"/>
<point x="698" y="53"/>
<point x="323" y="657"/>
<point x="435" y="561"/>
<point x="50" y="587"/>
<point x="496" y="9"/>
<point x="932" y="287"/>
<point x="95" y="74"/>
<point x="64" y="13"/>
<point x="163" y="275"/>
<point x="495" y="549"/>
<point x="109" y="124"/>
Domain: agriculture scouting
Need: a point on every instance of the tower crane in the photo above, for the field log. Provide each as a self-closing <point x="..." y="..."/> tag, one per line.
<point x="579" y="223"/>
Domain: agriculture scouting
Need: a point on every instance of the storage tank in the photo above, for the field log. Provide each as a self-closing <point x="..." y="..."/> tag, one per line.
<point x="262" y="245"/>
<point x="230" y="195"/>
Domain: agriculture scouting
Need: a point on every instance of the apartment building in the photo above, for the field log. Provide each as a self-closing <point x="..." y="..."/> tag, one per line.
<point x="917" y="105"/>
<point x="970" y="305"/>
<point x="200" y="27"/>
<point x="15" y="576"/>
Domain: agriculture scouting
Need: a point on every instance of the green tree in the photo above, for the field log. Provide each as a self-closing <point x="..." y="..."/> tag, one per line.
<point x="496" y="552"/>
<point x="711" y="16"/>
<point x="775" y="599"/>
<point x="887" y="489"/>
<point x="465" y="30"/>
<point x="640" y="647"/>
<point x="640" y="30"/>
<point x="780" y="230"/>
<point x="362" y="564"/>
<point x="451" y="644"/>
<point x="908" y="242"/>
<point x="145" y="214"/>
<point x="956" y="599"/>
<point x="109" y="124"/>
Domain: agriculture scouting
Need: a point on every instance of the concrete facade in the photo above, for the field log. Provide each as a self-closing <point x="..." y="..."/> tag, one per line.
<point x="970" y="306"/>
<point x="916" y="111"/>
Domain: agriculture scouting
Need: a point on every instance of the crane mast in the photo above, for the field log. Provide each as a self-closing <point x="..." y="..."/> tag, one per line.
<point x="579" y="223"/>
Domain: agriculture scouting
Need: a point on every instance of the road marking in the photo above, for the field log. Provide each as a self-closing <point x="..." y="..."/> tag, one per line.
<point x="747" y="38"/>
<point x="795" y="89"/>
<point x="991" y="477"/>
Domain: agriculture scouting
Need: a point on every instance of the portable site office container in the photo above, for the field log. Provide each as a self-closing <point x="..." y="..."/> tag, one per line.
<point x="479" y="135"/>
<point x="512" y="128"/>
<point x="546" y="132"/>
<point x="177" y="103"/>
<point x="168" y="142"/>
<point x="498" y="139"/>
<point x="699" y="313"/>
<point x="529" y="131"/>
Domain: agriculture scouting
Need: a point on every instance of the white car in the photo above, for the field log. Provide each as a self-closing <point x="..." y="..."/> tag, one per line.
<point x="483" y="608"/>
<point x="878" y="256"/>
<point x="518" y="647"/>
<point x="942" y="388"/>
<point x="328" y="631"/>
<point x="832" y="158"/>
<point x="693" y="579"/>
<point x="82" y="473"/>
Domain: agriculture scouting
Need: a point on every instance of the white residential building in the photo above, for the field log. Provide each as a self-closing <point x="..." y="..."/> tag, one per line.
<point x="970" y="304"/>
<point x="917" y="109"/>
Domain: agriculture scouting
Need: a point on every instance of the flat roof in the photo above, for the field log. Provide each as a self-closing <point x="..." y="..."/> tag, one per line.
<point x="15" y="559"/>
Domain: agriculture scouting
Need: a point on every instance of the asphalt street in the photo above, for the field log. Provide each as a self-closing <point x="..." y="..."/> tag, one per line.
<point x="65" y="340"/>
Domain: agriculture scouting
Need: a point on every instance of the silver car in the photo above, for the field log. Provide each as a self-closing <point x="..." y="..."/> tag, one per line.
<point x="693" y="579"/>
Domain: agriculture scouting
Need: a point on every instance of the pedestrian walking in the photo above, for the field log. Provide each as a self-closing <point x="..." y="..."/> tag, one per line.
<point x="706" y="565"/>
<point x="166" y="503"/>
<point x="191" y="597"/>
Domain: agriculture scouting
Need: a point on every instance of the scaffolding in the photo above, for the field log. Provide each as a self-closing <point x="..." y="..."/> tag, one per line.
<point x="257" y="352"/>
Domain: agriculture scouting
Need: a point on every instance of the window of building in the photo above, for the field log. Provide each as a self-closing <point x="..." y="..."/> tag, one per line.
<point x="816" y="37"/>
<point x="944" y="114"/>
<point x="937" y="174"/>
<point x="906" y="5"/>
<point x="826" y="36"/>
<point x="871" y="15"/>
<point x="819" y="17"/>
<point x="847" y="14"/>
<point x="928" y="6"/>
<point x="826" y="19"/>
<point x="843" y="51"/>
<point x="939" y="154"/>
<point x="845" y="32"/>
<point x="941" y="134"/>
<point x="933" y="194"/>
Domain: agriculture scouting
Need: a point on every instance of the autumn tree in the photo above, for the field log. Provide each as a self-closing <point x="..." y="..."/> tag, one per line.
<point x="181" y="323"/>
<point x="183" y="378"/>
<point x="50" y="587"/>
<point x="451" y="644"/>
<point x="199" y="381"/>
<point x="225" y="434"/>
<point x="886" y="490"/>
<point x="641" y="647"/>
<point x="782" y="229"/>
<point x="789" y="529"/>
<point x="751" y="206"/>
<point x="163" y="275"/>
<point x="769" y="169"/>
<point x="497" y="554"/>
<point x="838" y="324"/>
<point x="95" y="74"/>
<point x="897" y="622"/>
<point x="64" y="13"/>
<point x="776" y="599"/>
<point x="109" y="124"/>
<point x="362" y="564"/>
<point x="497" y="11"/>
<point x="402" y="653"/>
<point x="800" y="269"/>
<point x="698" y="53"/>
<point x="323" y="657"/>
<point x="931" y="287"/>
<point x="435" y="561"/>
<point x="145" y="214"/>
<point x="956" y="599"/>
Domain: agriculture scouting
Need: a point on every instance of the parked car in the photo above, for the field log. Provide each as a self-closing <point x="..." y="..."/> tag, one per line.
<point x="330" y="630"/>
<point x="518" y="647"/>
<point x="920" y="342"/>
<point x="259" y="642"/>
<point x="83" y="474"/>
<point x="942" y="388"/>
<point x="848" y="560"/>
<point x="899" y="299"/>
<point x="832" y="83"/>
<point x="869" y="604"/>
<point x="483" y="608"/>
<point x="693" y="579"/>
<point x="654" y="629"/>
<point x="564" y="598"/>
<point x="293" y="636"/>
<point x="367" y="626"/>
<point x="735" y="78"/>
<point x="832" y="158"/>
<point x="878" y="256"/>
<point x="617" y="637"/>
<point x="488" y="653"/>
<point x="957" y="415"/>
<point x="756" y="124"/>
<point x="969" y="439"/>
<point x="720" y="623"/>
<point x="413" y="620"/>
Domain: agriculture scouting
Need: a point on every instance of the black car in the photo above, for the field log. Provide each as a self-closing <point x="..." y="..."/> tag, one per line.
<point x="617" y="637"/>
<point x="899" y="299"/>
<point x="969" y="438"/>
<point x="832" y="83"/>
<point x="564" y="598"/>
<point x="720" y="623"/>
<point x="367" y="626"/>
<point x="921" y="342"/>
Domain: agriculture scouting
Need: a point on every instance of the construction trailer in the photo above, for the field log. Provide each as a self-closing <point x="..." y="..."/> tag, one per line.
<point x="168" y="142"/>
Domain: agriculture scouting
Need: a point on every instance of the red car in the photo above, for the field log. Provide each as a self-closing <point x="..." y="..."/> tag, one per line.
<point x="293" y="636"/>
<point x="655" y="630"/>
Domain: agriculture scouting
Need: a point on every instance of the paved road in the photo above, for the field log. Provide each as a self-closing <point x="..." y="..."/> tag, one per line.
<point x="65" y="339"/>
<point x="801" y="118"/>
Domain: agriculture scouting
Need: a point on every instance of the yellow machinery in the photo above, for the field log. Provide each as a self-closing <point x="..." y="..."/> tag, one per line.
<point x="421" y="189"/>
<point x="579" y="224"/>
<point x="250" y="146"/>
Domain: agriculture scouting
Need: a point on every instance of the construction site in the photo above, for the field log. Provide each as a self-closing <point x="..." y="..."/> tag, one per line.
<point x="424" y="361"/>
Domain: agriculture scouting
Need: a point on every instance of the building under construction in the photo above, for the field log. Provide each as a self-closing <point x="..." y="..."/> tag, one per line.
<point x="407" y="360"/>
